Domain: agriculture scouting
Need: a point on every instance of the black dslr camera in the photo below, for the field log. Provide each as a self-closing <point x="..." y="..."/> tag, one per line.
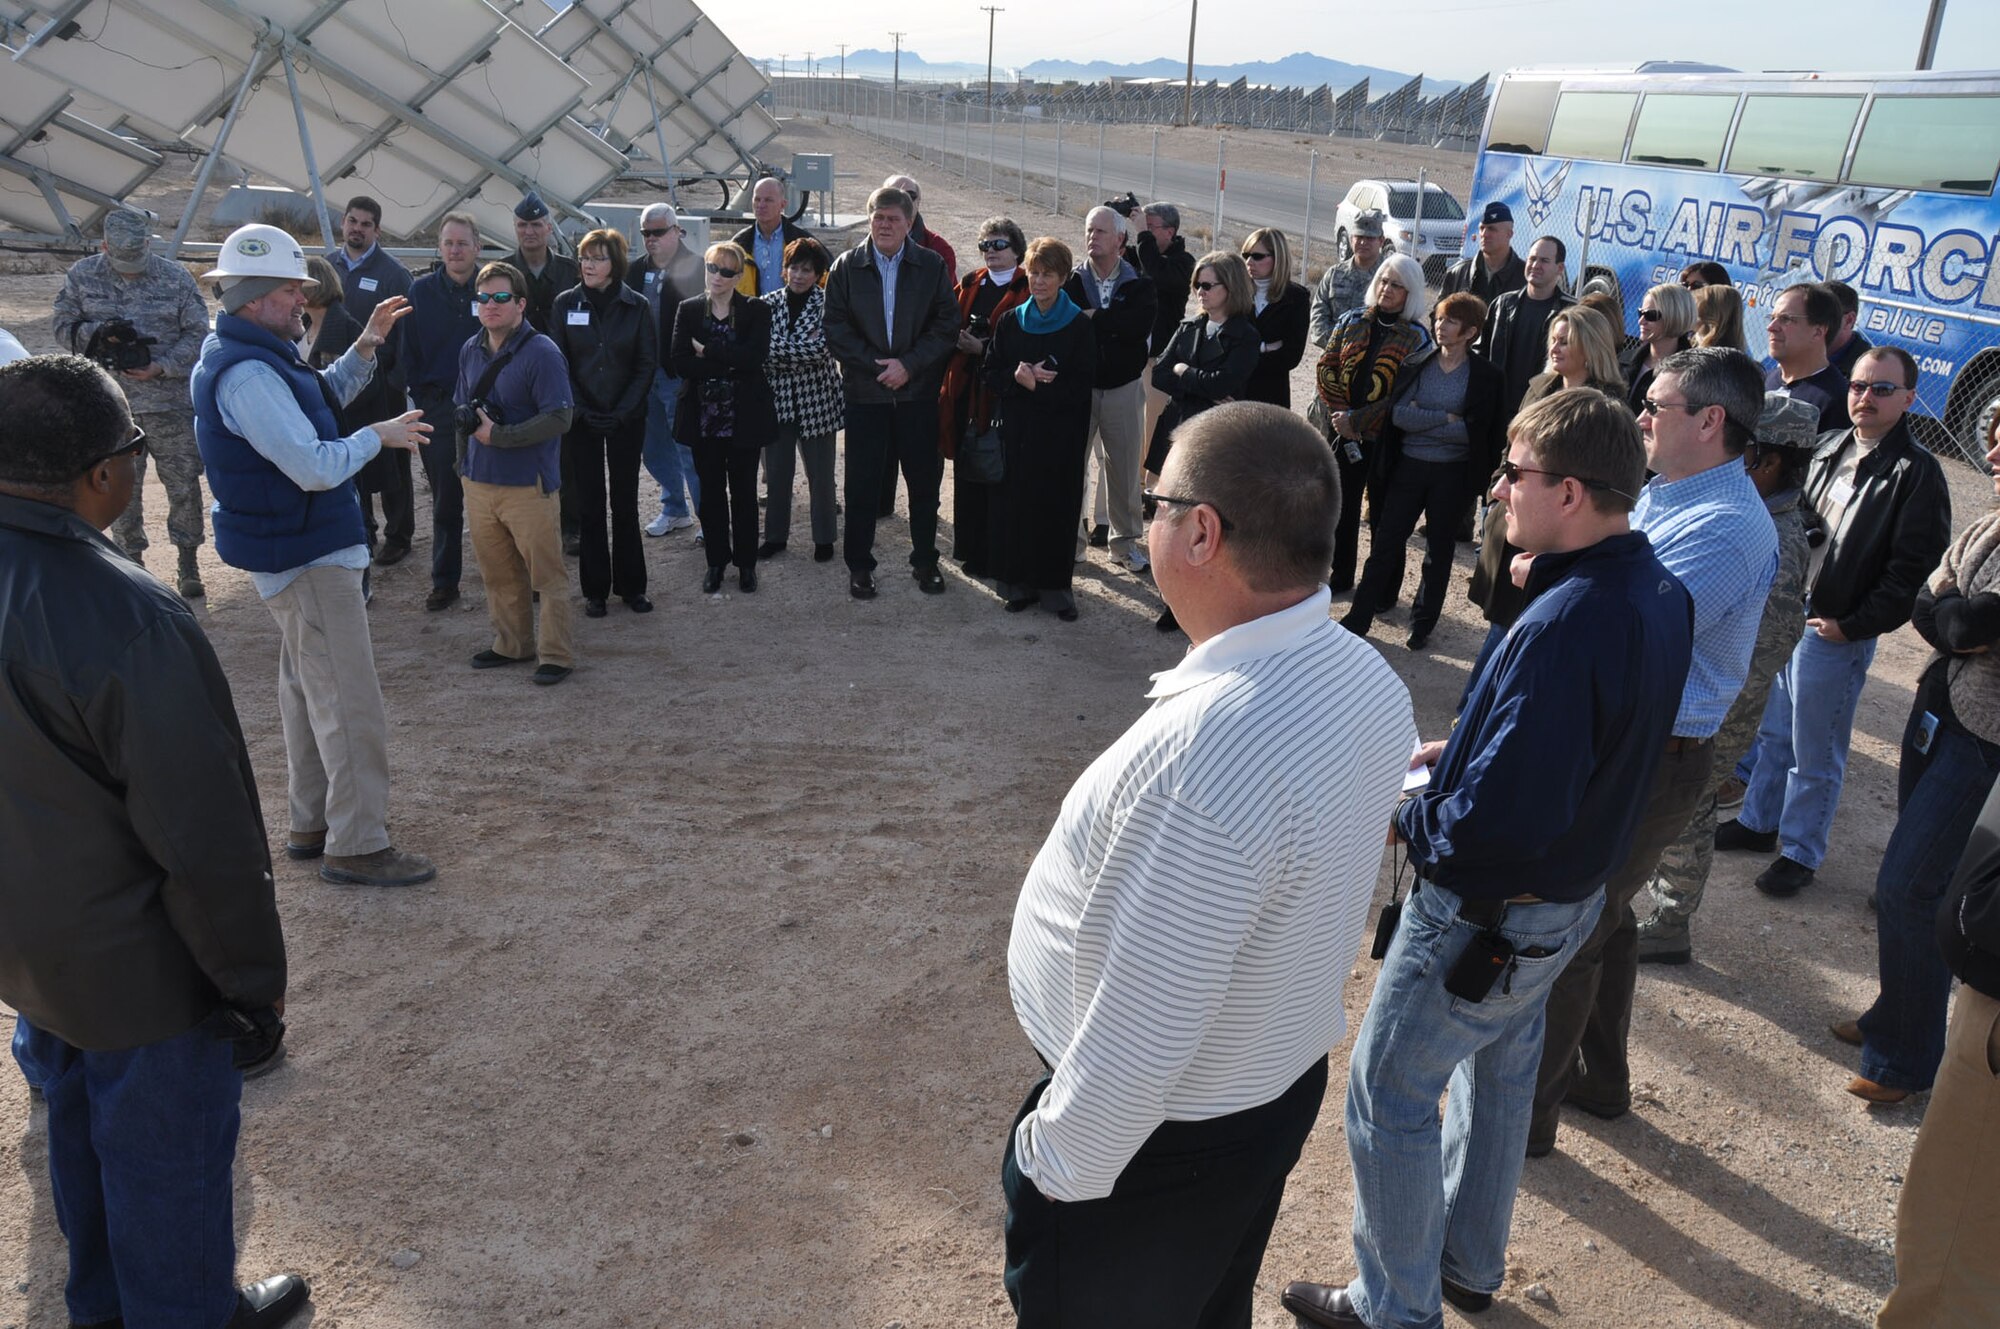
<point x="466" y="417"/>
<point x="117" y="345"/>
<point x="1125" y="206"/>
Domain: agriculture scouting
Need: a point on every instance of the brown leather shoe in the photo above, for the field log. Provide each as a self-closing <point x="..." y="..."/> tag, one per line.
<point x="1847" y="1031"/>
<point x="384" y="867"/>
<point x="1321" y="1303"/>
<point x="301" y="846"/>
<point x="1870" y="1092"/>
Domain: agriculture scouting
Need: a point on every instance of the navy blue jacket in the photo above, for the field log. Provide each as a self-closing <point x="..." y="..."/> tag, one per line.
<point x="440" y="321"/>
<point x="1540" y="788"/>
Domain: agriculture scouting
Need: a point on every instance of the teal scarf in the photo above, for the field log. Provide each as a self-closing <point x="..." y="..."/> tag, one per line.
<point x="1059" y="315"/>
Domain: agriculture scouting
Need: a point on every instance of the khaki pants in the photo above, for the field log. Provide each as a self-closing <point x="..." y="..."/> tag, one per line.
<point x="1948" y="1218"/>
<point x="517" y="539"/>
<point x="336" y="732"/>
<point x="1118" y="448"/>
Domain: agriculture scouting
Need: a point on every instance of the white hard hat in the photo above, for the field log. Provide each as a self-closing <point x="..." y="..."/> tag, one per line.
<point x="258" y="250"/>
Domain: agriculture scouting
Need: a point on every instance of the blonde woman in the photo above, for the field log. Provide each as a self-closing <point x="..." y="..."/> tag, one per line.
<point x="1666" y="325"/>
<point x="1583" y="353"/>
<point x="1282" y="310"/>
<point x="1718" y="315"/>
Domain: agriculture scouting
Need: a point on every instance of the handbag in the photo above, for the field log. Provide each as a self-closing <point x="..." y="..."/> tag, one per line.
<point x="982" y="456"/>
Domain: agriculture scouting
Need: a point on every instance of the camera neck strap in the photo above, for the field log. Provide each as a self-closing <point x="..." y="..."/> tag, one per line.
<point x="492" y="375"/>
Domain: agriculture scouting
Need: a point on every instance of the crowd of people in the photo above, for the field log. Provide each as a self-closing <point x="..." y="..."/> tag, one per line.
<point x="1685" y="561"/>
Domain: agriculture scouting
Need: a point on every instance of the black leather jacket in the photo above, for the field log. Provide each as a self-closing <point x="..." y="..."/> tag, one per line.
<point x="136" y="894"/>
<point x="612" y="354"/>
<point x="1891" y="536"/>
<point x="1968" y="921"/>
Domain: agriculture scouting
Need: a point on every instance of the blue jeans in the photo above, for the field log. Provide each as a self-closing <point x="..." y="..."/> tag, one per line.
<point x="668" y="462"/>
<point x="1793" y="773"/>
<point x="1903" y="1032"/>
<point x="1415" y="1040"/>
<point x="140" y="1148"/>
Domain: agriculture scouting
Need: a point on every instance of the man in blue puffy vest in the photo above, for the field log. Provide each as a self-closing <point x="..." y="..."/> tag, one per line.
<point x="286" y="512"/>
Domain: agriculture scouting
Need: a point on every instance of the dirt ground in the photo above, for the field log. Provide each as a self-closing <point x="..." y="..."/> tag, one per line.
<point x="705" y="1020"/>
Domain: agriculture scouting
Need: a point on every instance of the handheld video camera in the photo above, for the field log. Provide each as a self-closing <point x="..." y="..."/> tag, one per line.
<point x="1125" y="206"/>
<point x="117" y="345"/>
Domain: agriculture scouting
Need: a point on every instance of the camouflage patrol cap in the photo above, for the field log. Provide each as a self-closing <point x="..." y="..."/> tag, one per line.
<point x="1368" y="222"/>
<point x="1787" y="422"/>
<point x="127" y="234"/>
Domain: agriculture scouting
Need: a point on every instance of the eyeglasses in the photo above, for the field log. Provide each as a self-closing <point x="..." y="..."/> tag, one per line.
<point x="1253" y="256"/>
<point x="717" y="270"/>
<point x="995" y="244"/>
<point x="1881" y="387"/>
<point x="136" y="446"/>
<point x="655" y="232"/>
<point x="1156" y="496"/>
<point x="1207" y="285"/>
<point x="1651" y="407"/>
<point x="1650" y="315"/>
<point x="1785" y="320"/>
<point x="1512" y="474"/>
<point x="497" y="298"/>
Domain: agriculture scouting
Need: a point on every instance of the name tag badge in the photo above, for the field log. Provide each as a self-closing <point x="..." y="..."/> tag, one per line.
<point x="367" y="283"/>
<point x="473" y="305"/>
<point x="652" y="277"/>
<point x="1842" y="493"/>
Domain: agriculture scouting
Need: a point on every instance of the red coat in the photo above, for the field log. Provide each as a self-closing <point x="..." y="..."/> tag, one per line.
<point x="934" y="242"/>
<point x="961" y="393"/>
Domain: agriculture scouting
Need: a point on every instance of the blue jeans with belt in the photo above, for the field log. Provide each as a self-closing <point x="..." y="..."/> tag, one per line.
<point x="1416" y="1040"/>
<point x="141" y="1143"/>
<point x="1903" y="1032"/>
<point x="1794" y="772"/>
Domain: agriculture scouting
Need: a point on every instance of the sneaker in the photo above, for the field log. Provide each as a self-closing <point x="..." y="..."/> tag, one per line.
<point x="700" y="540"/>
<point x="1729" y="795"/>
<point x="659" y="525"/>
<point x="681" y="523"/>
<point x="384" y="867"/>
<point x="1135" y="560"/>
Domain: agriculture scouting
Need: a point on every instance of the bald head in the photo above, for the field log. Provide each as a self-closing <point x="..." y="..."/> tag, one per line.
<point x="767" y="204"/>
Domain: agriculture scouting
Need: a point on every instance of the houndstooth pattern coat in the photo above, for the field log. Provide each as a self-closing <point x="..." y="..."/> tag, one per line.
<point x="805" y="381"/>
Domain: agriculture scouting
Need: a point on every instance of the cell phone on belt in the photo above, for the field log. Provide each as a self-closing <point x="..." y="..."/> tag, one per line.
<point x="1927" y="727"/>
<point x="1479" y="967"/>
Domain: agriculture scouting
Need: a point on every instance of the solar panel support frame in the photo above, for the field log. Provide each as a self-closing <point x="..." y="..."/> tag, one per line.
<point x="253" y="69"/>
<point x="306" y="146"/>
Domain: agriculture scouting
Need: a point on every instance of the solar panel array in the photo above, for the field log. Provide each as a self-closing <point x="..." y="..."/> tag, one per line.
<point x="427" y="105"/>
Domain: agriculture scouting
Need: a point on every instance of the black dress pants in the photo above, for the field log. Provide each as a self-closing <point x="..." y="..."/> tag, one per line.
<point x="601" y="459"/>
<point x="1347" y="535"/>
<point x="880" y="434"/>
<point x="388" y="474"/>
<point x="1434" y="491"/>
<point x="440" y="457"/>
<point x="1178" y="1242"/>
<point x="728" y="508"/>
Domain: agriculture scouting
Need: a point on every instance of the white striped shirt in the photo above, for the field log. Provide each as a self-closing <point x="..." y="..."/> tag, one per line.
<point x="1183" y="935"/>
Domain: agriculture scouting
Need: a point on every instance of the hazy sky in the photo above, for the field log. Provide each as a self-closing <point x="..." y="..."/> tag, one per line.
<point x="1444" y="38"/>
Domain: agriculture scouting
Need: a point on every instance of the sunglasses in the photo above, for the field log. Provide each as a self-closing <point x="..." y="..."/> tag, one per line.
<point x="995" y="244"/>
<point x="1651" y="407"/>
<point x="497" y="298"/>
<point x="1254" y="256"/>
<point x="1207" y="285"/>
<point x="655" y="232"/>
<point x="1650" y="315"/>
<point x="1156" y="496"/>
<point x="1512" y="474"/>
<point x="717" y="270"/>
<point x="136" y="446"/>
<point x="1881" y="387"/>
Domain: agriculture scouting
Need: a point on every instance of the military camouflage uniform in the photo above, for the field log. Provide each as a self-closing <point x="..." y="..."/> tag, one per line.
<point x="1341" y="287"/>
<point x="1677" y="884"/>
<point x="164" y="303"/>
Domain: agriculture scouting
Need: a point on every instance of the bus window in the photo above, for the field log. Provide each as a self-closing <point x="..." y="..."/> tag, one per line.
<point x="1942" y="143"/>
<point x="1521" y="116"/>
<point x="1683" y="129"/>
<point x="1592" y="125"/>
<point x="1802" y="137"/>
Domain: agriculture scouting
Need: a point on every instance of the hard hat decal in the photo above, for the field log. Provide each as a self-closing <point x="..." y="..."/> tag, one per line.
<point x="251" y="247"/>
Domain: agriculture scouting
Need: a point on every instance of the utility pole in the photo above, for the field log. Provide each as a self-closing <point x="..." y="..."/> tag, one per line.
<point x="896" y="70"/>
<point x="990" y="12"/>
<point x="1933" y="23"/>
<point x="1187" y="90"/>
<point x="843" y="59"/>
<point x="809" y="64"/>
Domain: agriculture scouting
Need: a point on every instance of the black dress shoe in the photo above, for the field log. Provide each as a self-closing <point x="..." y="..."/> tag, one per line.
<point x="1356" y="624"/>
<point x="711" y="581"/>
<point x="1465" y="1298"/>
<point x="1340" y="586"/>
<point x="769" y="548"/>
<point x="929" y="580"/>
<point x="1100" y="537"/>
<point x="265" y="1064"/>
<point x="1067" y="615"/>
<point x="392" y="553"/>
<point x="638" y="604"/>
<point x="1602" y="1111"/>
<point x="1321" y="1303"/>
<point x="822" y="553"/>
<point x="1419" y="638"/>
<point x="441" y="597"/>
<point x="1027" y="602"/>
<point x="861" y="586"/>
<point x="593" y="608"/>
<point x="269" y="1302"/>
<point x="746" y="580"/>
<point x="1735" y="835"/>
<point x="1785" y="876"/>
<point x="1166" y="622"/>
<point x="549" y="675"/>
<point x="491" y="659"/>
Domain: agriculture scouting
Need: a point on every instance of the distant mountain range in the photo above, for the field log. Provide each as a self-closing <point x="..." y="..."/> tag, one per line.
<point x="1301" y="70"/>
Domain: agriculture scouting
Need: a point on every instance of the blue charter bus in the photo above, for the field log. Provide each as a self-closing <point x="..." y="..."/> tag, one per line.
<point x="1883" y="181"/>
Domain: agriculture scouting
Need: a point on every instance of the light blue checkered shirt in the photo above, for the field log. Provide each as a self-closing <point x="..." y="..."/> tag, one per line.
<point x="1714" y="533"/>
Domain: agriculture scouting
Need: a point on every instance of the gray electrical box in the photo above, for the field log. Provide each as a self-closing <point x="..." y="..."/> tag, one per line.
<point x="812" y="170"/>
